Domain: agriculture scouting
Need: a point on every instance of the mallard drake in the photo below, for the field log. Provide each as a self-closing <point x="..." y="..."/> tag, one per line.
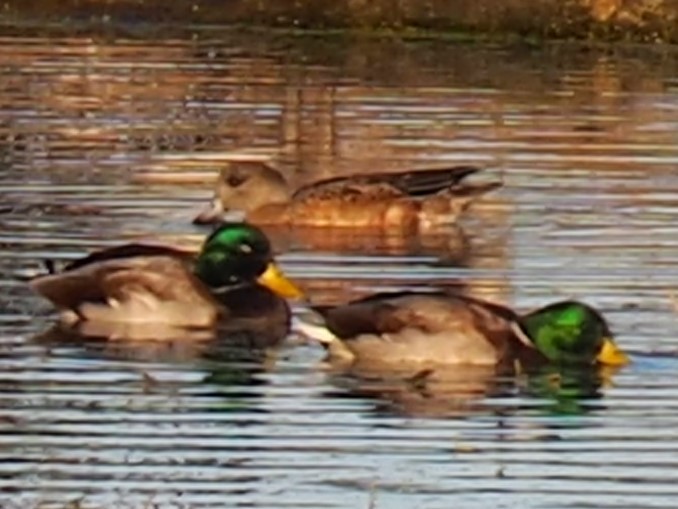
<point x="407" y="200"/>
<point x="232" y="281"/>
<point x="427" y="329"/>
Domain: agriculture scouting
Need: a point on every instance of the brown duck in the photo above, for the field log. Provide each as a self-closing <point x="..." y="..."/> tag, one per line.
<point x="407" y="200"/>
<point x="232" y="284"/>
<point x="423" y="330"/>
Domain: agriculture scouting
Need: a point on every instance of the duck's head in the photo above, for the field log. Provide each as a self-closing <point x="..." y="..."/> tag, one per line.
<point x="239" y="254"/>
<point x="570" y="332"/>
<point x="244" y="186"/>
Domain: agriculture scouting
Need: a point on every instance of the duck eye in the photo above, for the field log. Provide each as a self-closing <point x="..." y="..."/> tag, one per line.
<point x="235" y="179"/>
<point x="245" y="248"/>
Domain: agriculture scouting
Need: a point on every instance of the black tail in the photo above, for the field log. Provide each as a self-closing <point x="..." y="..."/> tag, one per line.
<point x="426" y="182"/>
<point x="413" y="183"/>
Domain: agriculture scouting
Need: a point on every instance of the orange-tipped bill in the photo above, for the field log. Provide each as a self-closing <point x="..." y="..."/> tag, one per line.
<point x="276" y="281"/>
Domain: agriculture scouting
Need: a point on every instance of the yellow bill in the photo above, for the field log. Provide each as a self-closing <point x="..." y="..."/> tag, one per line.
<point x="274" y="279"/>
<point x="611" y="354"/>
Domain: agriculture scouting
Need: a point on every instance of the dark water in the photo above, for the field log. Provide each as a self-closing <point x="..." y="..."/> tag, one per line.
<point x="104" y="142"/>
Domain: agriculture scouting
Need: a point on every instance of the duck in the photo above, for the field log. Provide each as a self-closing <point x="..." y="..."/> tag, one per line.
<point x="233" y="282"/>
<point x="410" y="201"/>
<point x="427" y="330"/>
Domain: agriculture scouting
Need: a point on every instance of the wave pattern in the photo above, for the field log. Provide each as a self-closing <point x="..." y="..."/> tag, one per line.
<point x="109" y="141"/>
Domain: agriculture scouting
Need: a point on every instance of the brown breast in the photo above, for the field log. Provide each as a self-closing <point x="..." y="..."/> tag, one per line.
<point x="391" y="213"/>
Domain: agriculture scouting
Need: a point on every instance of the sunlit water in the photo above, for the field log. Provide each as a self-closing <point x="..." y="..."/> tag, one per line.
<point x="103" y="142"/>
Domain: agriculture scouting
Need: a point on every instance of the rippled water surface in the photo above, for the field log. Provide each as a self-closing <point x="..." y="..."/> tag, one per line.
<point x="106" y="140"/>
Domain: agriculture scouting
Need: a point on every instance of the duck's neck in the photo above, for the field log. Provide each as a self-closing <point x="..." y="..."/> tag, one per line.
<point x="211" y="272"/>
<point x="252" y="300"/>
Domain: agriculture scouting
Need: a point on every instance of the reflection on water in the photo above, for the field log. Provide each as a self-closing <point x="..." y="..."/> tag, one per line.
<point x="476" y="390"/>
<point x="103" y="141"/>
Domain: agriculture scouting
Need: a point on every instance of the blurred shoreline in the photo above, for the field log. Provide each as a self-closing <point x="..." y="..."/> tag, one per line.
<point x="648" y="21"/>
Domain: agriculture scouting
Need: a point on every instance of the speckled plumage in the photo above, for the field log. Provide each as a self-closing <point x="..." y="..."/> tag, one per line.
<point x="406" y="200"/>
<point x="137" y="284"/>
<point x="425" y="330"/>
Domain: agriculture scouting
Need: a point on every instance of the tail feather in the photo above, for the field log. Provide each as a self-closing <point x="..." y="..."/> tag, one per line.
<point x="312" y="326"/>
<point x="336" y="349"/>
<point x="49" y="266"/>
<point x="30" y="275"/>
<point x="416" y="183"/>
<point x="472" y="191"/>
<point x="426" y="182"/>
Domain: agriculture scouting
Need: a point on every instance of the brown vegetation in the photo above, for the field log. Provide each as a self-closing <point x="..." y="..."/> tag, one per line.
<point x="647" y="20"/>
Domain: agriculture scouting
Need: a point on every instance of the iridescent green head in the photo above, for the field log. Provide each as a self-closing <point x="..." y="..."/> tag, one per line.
<point x="239" y="254"/>
<point x="570" y="332"/>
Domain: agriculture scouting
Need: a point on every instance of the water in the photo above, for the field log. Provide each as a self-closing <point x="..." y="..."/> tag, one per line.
<point x="106" y="140"/>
